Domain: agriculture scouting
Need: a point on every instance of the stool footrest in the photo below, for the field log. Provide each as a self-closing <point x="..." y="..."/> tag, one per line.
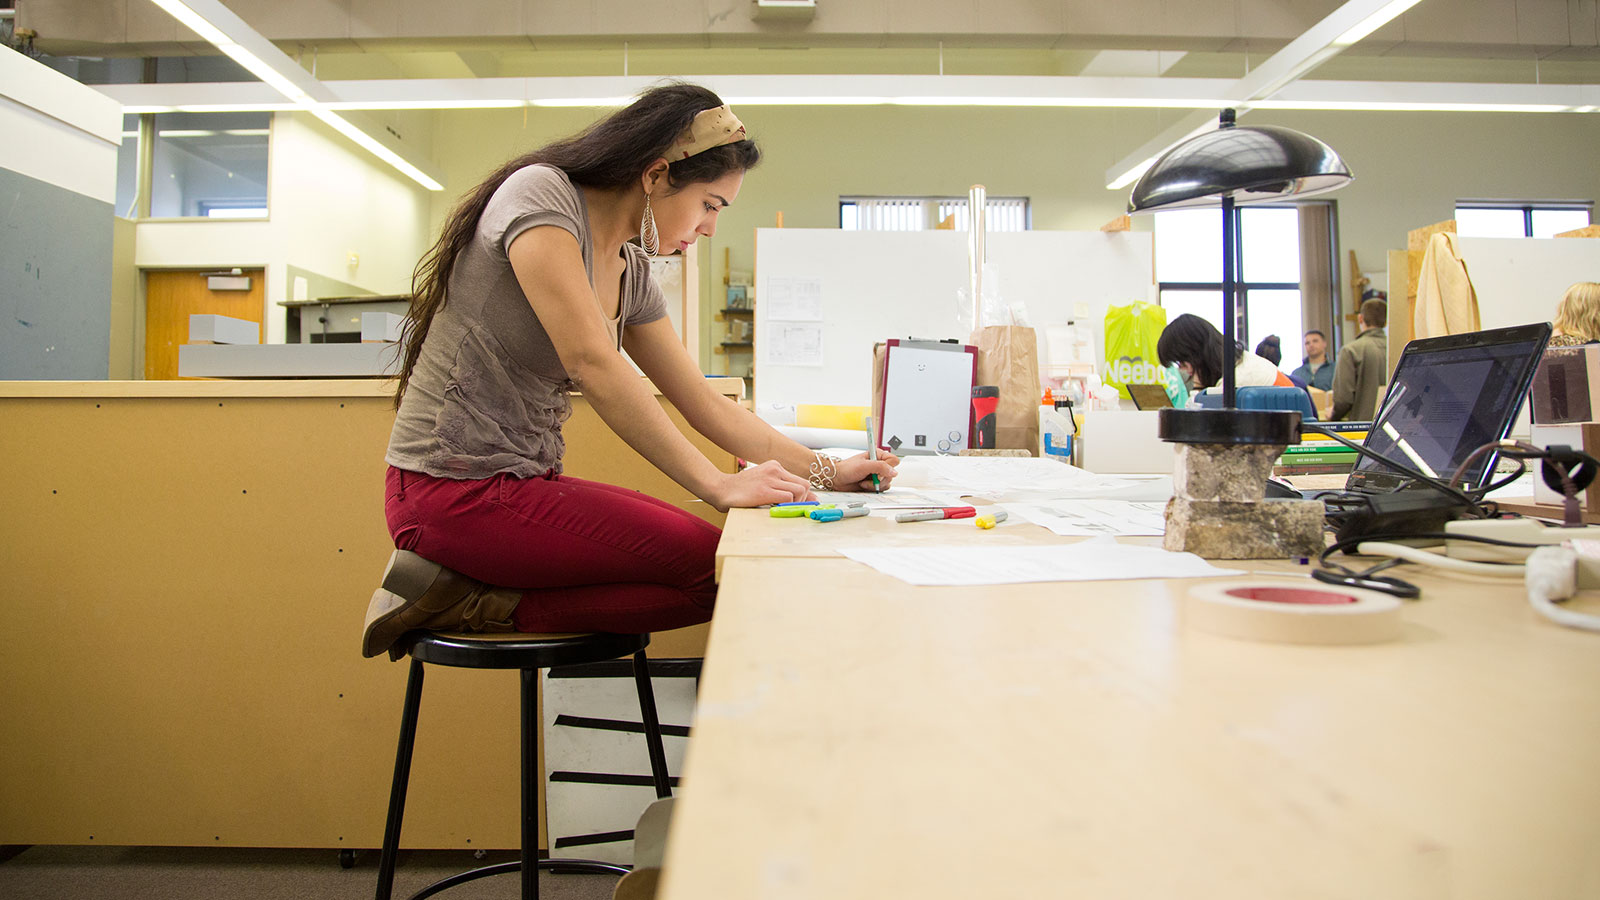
<point x="591" y="866"/>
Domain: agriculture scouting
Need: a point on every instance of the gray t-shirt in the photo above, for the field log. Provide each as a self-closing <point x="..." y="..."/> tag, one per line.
<point x="488" y="393"/>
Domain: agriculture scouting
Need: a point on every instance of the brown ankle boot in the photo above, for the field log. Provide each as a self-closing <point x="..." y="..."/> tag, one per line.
<point x="420" y="594"/>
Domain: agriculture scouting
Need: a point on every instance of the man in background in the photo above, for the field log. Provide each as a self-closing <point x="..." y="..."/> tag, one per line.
<point x="1316" y="371"/>
<point x="1363" y="366"/>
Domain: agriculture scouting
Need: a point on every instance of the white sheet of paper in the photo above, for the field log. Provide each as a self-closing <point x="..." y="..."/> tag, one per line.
<point x="1073" y="517"/>
<point x="1026" y="477"/>
<point x="793" y="343"/>
<point x="794" y="299"/>
<point x="895" y="498"/>
<point x="1097" y="559"/>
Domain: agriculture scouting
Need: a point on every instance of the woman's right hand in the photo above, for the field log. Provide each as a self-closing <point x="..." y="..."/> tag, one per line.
<point x="759" y="485"/>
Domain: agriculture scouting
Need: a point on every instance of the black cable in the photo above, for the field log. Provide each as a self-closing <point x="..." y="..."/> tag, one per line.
<point x="1388" y="583"/>
<point x="1434" y="483"/>
<point x="1344" y="545"/>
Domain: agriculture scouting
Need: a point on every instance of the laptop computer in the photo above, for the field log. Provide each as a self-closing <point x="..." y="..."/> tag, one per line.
<point x="1448" y="396"/>
<point x="1149" y="396"/>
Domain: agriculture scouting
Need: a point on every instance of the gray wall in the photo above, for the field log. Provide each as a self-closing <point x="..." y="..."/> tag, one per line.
<point x="55" y="282"/>
<point x="319" y="285"/>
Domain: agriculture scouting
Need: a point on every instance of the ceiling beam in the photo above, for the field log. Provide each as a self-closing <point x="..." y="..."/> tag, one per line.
<point x="855" y="90"/>
<point x="1343" y="27"/>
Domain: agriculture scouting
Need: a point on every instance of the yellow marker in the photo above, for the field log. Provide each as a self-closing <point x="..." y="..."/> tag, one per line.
<point x="991" y="520"/>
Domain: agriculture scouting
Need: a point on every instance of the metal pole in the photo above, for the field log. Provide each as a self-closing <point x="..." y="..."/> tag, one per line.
<point x="1229" y="308"/>
<point x="977" y="223"/>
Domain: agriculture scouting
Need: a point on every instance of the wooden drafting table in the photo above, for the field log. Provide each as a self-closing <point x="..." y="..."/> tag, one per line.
<point x="858" y="737"/>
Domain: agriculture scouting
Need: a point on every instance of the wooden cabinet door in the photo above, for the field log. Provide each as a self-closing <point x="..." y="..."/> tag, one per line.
<point x="171" y="296"/>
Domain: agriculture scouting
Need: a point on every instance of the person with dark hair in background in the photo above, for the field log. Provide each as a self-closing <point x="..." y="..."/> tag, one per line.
<point x="1195" y="347"/>
<point x="1271" y="349"/>
<point x="534" y="289"/>
<point x="1363" y="366"/>
<point x="1317" y="370"/>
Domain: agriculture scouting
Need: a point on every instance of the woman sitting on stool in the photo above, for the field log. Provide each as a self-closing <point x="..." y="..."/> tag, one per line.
<point x="533" y="290"/>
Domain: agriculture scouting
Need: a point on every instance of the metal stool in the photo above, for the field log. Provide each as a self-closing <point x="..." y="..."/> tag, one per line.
<point x="530" y="653"/>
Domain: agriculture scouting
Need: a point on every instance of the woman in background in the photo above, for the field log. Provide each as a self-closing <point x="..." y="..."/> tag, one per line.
<point x="1195" y="346"/>
<point x="1271" y="349"/>
<point x="1578" y="316"/>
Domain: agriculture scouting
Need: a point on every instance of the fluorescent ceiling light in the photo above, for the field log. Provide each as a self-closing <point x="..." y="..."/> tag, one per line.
<point x="1373" y="22"/>
<point x="1384" y="106"/>
<point x="136" y="109"/>
<point x="1064" y="102"/>
<point x="1351" y="21"/>
<point x="252" y="63"/>
<point x="375" y="147"/>
<point x="286" y="78"/>
<point x="379" y="105"/>
<point x="581" y="101"/>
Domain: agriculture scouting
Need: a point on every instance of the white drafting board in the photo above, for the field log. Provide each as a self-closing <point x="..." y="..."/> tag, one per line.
<point x="927" y="398"/>
<point x="839" y="292"/>
<point x="1520" y="280"/>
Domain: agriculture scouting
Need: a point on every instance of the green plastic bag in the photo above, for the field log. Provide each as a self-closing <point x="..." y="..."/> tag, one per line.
<point x="1131" y="335"/>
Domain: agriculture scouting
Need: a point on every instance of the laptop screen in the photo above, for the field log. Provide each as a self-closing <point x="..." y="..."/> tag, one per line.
<point x="1449" y="396"/>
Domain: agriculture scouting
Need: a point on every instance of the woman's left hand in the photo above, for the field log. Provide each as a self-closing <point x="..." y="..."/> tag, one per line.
<point x="855" y="473"/>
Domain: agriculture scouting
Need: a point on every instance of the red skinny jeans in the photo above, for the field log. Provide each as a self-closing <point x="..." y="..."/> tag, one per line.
<point x="588" y="556"/>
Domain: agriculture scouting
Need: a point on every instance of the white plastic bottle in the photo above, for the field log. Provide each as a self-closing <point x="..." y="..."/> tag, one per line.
<point x="1056" y="431"/>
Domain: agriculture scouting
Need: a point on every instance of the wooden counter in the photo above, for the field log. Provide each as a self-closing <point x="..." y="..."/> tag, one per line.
<point x="858" y="737"/>
<point x="188" y="565"/>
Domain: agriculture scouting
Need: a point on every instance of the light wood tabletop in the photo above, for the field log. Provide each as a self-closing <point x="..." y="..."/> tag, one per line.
<point x="755" y="534"/>
<point x="858" y="737"/>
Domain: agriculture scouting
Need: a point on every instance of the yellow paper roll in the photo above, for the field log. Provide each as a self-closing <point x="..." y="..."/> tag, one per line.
<point x="1292" y="612"/>
<point x="819" y="415"/>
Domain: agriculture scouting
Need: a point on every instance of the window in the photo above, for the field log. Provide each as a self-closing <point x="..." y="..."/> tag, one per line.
<point x="128" y="168"/>
<point x="1189" y="272"/>
<point x="1516" y="218"/>
<point x="924" y="213"/>
<point x="209" y="165"/>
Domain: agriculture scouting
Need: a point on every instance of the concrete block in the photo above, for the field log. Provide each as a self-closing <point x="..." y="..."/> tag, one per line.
<point x="1225" y="472"/>
<point x="1223" y="529"/>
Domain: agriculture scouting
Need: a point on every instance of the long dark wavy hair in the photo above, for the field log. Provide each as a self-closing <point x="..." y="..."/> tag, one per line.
<point x="610" y="154"/>
<point x="1193" y="340"/>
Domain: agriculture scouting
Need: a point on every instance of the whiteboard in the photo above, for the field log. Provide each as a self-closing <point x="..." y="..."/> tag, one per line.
<point x="1520" y="280"/>
<point x="927" y="398"/>
<point x="839" y="292"/>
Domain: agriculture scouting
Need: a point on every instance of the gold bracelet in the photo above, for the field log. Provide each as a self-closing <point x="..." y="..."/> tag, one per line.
<point x="822" y="471"/>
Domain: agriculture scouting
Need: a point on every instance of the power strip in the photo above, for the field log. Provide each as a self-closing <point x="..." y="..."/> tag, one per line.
<point x="1523" y="531"/>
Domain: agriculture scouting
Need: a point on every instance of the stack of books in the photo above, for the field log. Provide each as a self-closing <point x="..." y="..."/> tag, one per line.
<point x="1318" y="454"/>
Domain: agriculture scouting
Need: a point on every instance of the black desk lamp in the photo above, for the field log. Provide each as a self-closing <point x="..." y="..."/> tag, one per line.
<point x="1236" y="166"/>
<point x="1224" y="456"/>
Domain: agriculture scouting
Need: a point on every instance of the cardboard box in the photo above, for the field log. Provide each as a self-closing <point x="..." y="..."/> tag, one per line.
<point x="1566" y="386"/>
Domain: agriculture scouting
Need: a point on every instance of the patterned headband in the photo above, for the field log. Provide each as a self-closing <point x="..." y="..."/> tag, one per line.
<point x="710" y="128"/>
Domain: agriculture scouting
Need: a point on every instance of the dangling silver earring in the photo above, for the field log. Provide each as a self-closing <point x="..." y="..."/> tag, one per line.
<point x="649" y="238"/>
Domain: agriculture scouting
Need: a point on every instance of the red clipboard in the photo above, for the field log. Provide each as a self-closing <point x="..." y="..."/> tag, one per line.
<point x="926" y="406"/>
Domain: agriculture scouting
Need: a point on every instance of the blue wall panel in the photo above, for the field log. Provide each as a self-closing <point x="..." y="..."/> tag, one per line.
<point x="55" y="282"/>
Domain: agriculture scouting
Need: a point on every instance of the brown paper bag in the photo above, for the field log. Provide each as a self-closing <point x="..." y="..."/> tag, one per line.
<point x="1008" y="357"/>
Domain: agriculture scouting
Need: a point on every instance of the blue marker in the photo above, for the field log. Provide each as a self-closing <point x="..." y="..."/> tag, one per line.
<point x="835" y="514"/>
<point x="799" y="503"/>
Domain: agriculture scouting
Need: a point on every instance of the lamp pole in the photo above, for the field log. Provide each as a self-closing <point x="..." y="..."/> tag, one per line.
<point x="1229" y="288"/>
